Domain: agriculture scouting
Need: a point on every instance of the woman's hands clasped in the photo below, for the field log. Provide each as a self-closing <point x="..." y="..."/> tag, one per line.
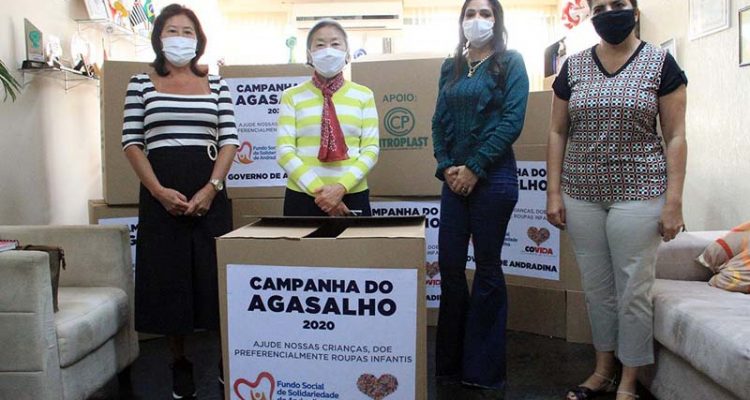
<point x="329" y="199"/>
<point x="177" y="204"/>
<point x="460" y="180"/>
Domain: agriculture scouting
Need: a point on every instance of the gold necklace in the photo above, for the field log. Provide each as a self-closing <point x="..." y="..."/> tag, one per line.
<point x="473" y="69"/>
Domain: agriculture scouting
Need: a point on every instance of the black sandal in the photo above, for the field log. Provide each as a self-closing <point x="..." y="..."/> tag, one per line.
<point x="585" y="393"/>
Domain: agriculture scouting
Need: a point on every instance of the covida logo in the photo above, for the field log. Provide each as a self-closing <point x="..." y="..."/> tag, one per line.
<point x="244" y="154"/>
<point x="262" y="389"/>
<point x="538" y="236"/>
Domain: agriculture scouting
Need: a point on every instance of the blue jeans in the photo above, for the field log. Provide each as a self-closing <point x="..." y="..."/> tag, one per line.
<point x="471" y="329"/>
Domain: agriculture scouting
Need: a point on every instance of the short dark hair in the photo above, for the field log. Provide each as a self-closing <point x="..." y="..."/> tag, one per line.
<point x="160" y="61"/>
<point x="499" y="41"/>
<point x="633" y="2"/>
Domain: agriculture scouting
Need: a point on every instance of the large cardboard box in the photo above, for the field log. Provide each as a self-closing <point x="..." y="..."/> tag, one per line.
<point x="536" y="125"/>
<point x="101" y="213"/>
<point x="120" y="183"/>
<point x="578" y="324"/>
<point x="316" y="303"/>
<point x="537" y="310"/>
<point x="256" y="92"/>
<point x="405" y="95"/>
<point x="245" y="211"/>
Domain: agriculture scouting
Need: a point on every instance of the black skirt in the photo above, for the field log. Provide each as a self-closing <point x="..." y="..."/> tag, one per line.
<point x="176" y="284"/>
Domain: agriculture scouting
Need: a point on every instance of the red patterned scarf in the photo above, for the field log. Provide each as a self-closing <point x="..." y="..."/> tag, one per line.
<point x="332" y="142"/>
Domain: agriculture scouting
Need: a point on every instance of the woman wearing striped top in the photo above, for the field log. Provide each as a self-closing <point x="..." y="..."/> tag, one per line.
<point x="179" y="135"/>
<point x="327" y="133"/>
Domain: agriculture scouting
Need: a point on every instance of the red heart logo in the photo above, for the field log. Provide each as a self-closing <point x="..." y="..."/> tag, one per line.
<point x="432" y="268"/>
<point x="245" y="153"/>
<point x="377" y="388"/>
<point x="538" y="236"/>
<point x="255" y="393"/>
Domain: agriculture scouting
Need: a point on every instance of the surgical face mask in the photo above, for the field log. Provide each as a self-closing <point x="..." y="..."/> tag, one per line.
<point x="328" y="61"/>
<point x="179" y="50"/>
<point x="614" y="26"/>
<point x="478" y="31"/>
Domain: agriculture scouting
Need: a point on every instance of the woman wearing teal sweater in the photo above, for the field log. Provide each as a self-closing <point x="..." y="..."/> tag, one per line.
<point x="479" y="114"/>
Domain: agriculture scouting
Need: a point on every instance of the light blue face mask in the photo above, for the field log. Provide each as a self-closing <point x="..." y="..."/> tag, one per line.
<point x="179" y="50"/>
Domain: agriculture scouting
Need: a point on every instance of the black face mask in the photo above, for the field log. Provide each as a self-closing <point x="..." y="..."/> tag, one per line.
<point x="614" y="26"/>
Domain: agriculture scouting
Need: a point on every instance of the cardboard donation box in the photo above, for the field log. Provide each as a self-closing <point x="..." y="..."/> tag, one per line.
<point x="406" y="103"/>
<point x="245" y="211"/>
<point x="120" y="183"/>
<point x="326" y="308"/>
<point x="256" y="93"/>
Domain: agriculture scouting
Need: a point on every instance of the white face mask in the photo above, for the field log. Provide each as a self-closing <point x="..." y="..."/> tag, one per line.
<point x="329" y="61"/>
<point x="478" y="31"/>
<point x="179" y="50"/>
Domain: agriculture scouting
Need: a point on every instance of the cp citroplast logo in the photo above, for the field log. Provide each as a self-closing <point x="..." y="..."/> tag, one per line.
<point x="399" y="121"/>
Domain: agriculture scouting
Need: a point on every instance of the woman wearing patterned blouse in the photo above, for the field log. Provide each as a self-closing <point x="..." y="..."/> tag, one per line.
<point x="615" y="187"/>
<point x="179" y="135"/>
<point x="480" y="112"/>
<point x="327" y="133"/>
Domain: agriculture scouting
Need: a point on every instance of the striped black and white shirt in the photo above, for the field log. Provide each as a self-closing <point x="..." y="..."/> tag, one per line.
<point x="156" y="120"/>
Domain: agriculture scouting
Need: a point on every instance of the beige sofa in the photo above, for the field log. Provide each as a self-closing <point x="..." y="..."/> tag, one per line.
<point x="74" y="352"/>
<point x="702" y="333"/>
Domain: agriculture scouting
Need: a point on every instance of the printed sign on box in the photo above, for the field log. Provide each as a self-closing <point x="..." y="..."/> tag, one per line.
<point x="321" y="333"/>
<point x="132" y="224"/>
<point x="256" y="110"/>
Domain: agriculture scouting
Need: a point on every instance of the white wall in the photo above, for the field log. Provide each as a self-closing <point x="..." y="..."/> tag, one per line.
<point x="718" y="115"/>
<point x="49" y="139"/>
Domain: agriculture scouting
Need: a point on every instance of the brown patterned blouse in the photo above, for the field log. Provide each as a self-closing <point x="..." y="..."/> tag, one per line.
<point x="614" y="152"/>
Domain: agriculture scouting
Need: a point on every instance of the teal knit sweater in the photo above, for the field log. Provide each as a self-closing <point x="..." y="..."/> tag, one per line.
<point x="477" y="119"/>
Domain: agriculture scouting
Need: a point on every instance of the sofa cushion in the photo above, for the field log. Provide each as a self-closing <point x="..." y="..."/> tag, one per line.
<point x="708" y="327"/>
<point x="88" y="317"/>
<point x="676" y="259"/>
<point x="729" y="258"/>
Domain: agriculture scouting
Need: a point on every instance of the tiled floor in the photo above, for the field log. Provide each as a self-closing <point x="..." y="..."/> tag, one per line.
<point x="539" y="368"/>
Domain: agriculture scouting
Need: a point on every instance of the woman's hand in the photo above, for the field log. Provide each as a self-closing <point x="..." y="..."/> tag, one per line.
<point x="201" y="201"/>
<point x="328" y="197"/>
<point x="464" y="182"/>
<point x="556" y="210"/>
<point x="173" y="201"/>
<point x="340" y="210"/>
<point x="670" y="222"/>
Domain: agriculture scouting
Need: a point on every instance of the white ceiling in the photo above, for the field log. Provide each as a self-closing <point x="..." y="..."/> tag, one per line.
<point x="259" y="6"/>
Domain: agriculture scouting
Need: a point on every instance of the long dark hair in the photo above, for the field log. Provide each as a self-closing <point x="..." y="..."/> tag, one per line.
<point x="499" y="41"/>
<point x="168" y="12"/>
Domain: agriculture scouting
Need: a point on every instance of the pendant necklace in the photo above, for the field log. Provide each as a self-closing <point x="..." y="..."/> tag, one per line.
<point x="474" y="68"/>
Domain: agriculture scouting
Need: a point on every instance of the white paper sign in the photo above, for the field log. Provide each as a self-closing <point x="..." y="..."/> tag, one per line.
<point x="304" y="333"/>
<point x="532" y="245"/>
<point x="132" y="224"/>
<point x="256" y="110"/>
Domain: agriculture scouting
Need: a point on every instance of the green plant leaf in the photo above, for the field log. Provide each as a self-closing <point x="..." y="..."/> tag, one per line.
<point x="10" y="85"/>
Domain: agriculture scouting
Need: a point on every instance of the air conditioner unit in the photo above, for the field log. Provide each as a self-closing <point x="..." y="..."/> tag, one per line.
<point x="372" y="15"/>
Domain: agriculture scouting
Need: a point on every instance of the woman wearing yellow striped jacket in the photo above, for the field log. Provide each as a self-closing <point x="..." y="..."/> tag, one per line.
<point x="327" y="133"/>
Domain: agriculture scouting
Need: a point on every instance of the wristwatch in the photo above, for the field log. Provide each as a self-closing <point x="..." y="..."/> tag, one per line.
<point x="218" y="184"/>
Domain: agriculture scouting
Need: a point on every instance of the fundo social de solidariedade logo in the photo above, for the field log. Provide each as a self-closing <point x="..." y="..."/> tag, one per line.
<point x="265" y="387"/>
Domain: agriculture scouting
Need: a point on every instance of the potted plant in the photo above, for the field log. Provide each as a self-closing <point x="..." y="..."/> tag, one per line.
<point x="11" y="87"/>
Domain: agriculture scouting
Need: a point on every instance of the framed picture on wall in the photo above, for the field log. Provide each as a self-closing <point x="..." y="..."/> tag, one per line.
<point x="707" y="17"/>
<point x="745" y="36"/>
<point x="97" y="9"/>
<point x="671" y="47"/>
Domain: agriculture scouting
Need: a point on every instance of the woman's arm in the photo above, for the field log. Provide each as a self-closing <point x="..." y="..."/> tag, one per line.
<point x="133" y="141"/>
<point x="556" y="142"/>
<point x="496" y="145"/>
<point x="286" y="149"/>
<point x="228" y="143"/>
<point x="672" y="118"/>
<point x="440" y="149"/>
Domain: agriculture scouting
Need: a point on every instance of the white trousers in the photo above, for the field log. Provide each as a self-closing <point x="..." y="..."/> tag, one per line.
<point x="615" y="246"/>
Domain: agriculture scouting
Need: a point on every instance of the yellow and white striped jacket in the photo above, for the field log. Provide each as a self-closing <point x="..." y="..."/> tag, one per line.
<point x="298" y="137"/>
